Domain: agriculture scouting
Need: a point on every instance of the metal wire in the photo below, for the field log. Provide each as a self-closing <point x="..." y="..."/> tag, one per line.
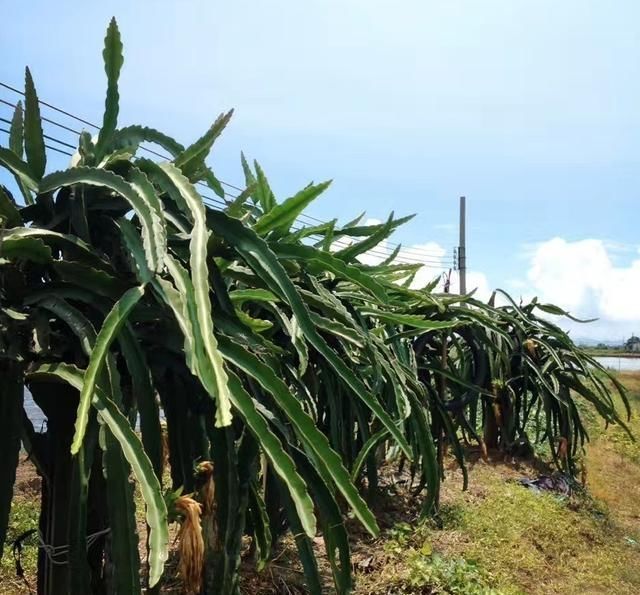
<point x="51" y="138"/>
<point x="381" y="252"/>
<point x="408" y="255"/>
<point x="95" y="126"/>
<point x="53" y="107"/>
<point x="55" y="552"/>
<point x="14" y="105"/>
<point x="47" y="146"/>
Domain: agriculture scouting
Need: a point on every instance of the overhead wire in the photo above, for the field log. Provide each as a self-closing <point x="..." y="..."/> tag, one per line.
<point x="51" y="138"/>
<point x="407" y="255"/>
<point x="45" y="119"/>
<point x="94" y="126"/>
<point x="380" y="251"/>
<point x="47" y="146"/>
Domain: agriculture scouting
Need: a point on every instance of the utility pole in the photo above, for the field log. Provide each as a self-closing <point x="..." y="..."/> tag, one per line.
<point x="462" y="248"/>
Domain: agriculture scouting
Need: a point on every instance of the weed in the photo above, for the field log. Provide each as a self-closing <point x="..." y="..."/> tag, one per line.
<point x="440" y="574"/>
<point x="23" y="517"/>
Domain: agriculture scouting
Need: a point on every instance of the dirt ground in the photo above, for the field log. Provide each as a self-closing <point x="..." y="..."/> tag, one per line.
<point x="497" y="537"/>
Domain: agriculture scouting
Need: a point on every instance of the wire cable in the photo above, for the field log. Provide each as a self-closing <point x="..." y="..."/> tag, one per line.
<point x="14" y="105"/>
<point x="92" y="125"/>
<point x="379" y="251"/>
<point x="47" y="146"/>
<point x="51" y="138"/>
<point x="411" y="255"/>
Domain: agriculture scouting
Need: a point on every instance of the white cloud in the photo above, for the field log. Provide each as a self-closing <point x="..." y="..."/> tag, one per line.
<point x="582" y="277"/>
<point x="475" y="281"/>
<point x="433" y="258"/>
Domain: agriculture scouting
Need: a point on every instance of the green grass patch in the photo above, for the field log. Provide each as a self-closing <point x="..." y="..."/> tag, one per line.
<point x="541" y="543"/>
<point x="501" y="538"/>
<point x="441" y="574"/>
<point x="23" y="517"/>
<point x="615" y="435"/>
<point x="413" y="566"/>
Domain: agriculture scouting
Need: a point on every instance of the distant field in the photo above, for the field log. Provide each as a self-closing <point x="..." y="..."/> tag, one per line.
<point x="611" y="353"/>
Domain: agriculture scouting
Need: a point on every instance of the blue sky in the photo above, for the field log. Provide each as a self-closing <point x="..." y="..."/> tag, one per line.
<point x="530" y="109"/>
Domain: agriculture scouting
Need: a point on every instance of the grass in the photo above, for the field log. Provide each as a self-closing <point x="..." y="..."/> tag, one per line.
<point x="501" y="538"/>
<point x="497" y="538"/>
<point x="612" y="352"/>
<point x="539" y="543"/>
<point x="412" y="565"/>
<point x="613" y="464"/>
<point x="615" y="436"/>
<point x="25" y="509"/>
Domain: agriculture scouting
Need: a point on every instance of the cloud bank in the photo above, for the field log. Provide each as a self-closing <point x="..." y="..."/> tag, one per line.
<point x="583" y="277"/>
<point x="436" y="260"/>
